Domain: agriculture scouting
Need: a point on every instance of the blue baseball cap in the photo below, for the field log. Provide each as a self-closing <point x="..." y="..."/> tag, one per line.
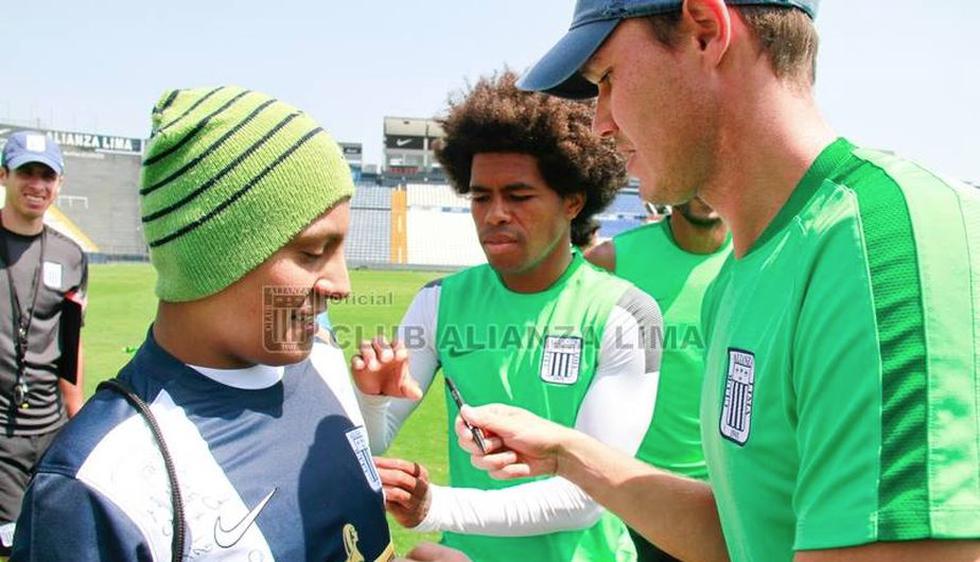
<point x="557" y="72"/>
<point x="30" y="146"/>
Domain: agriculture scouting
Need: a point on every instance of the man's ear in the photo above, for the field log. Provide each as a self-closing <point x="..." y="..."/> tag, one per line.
<point x="574" y="202"/>
<point x="3" y="175"/>
<point x="710" y="22"/>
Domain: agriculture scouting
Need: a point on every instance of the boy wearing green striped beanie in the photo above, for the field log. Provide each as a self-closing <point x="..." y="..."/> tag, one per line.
<point x="234" y="193"/>
<point x="260" y="451"/>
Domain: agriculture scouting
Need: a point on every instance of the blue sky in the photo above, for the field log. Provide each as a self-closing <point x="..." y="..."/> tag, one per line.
<point x="901" y="74"/>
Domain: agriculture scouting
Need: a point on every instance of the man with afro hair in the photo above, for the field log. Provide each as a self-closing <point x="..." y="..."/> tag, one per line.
<point x="537" y="326"/>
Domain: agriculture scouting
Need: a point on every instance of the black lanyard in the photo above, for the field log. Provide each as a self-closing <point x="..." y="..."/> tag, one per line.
<point x="22" y="320"/>
<point x="178" y="538"/>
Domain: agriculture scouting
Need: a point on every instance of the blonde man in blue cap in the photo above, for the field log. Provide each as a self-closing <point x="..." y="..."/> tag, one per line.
<point x="224" y="438"/>
<point x="839" y="408"/>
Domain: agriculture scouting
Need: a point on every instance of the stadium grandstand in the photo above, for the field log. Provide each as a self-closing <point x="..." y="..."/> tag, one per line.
<point x="407" y="216"/>
<point x="409" y="151"/>
<point x="625" y="212"/>
<point x="353" y="153"/>
<point x="369" y="239"/>
<point x="428" y="224"/>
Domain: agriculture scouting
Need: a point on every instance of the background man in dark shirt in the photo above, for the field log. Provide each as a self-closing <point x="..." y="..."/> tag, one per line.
<point x="41" y="271"/>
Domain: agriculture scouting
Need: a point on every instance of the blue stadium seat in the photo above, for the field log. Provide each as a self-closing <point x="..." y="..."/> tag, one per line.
<point x="612" y="227"/>
<point x="369" y="239"/>
<point x="371" y="198"/>
<point x="626" y="203"/>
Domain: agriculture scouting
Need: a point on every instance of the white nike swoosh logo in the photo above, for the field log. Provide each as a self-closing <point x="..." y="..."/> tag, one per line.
<point x="403" y="142"/>
<point x="227" y="538"/>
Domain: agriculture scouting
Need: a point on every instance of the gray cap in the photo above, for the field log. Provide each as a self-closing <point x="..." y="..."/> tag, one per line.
<point x="557" y="72"/>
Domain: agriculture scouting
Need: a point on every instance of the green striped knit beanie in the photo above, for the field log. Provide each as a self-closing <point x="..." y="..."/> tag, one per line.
<point x="229" y="177"/>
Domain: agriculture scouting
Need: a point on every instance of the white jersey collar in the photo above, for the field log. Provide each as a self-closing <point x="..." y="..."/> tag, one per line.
<point x="255" y="377"/>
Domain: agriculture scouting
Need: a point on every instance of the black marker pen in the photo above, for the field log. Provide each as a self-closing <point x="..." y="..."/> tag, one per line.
<point x="476" y="431"/>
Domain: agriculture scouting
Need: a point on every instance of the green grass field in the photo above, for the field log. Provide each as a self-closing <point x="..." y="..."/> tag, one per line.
<point x="121" y="307"/>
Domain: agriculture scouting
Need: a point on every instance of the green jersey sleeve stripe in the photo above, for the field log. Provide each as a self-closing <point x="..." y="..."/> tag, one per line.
<point x="945" y="218"/>
<point x="891" y="254"/>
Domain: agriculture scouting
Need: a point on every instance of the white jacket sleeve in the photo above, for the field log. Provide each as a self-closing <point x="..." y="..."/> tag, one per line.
<point x="617" y="410"/>
<point x="384" y="416"/>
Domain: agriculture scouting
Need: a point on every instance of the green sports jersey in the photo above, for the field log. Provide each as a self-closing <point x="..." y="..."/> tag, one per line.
<point x="650" y="258"/>
<point x="538" y="351"/>
<point x="840" y="395"/>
